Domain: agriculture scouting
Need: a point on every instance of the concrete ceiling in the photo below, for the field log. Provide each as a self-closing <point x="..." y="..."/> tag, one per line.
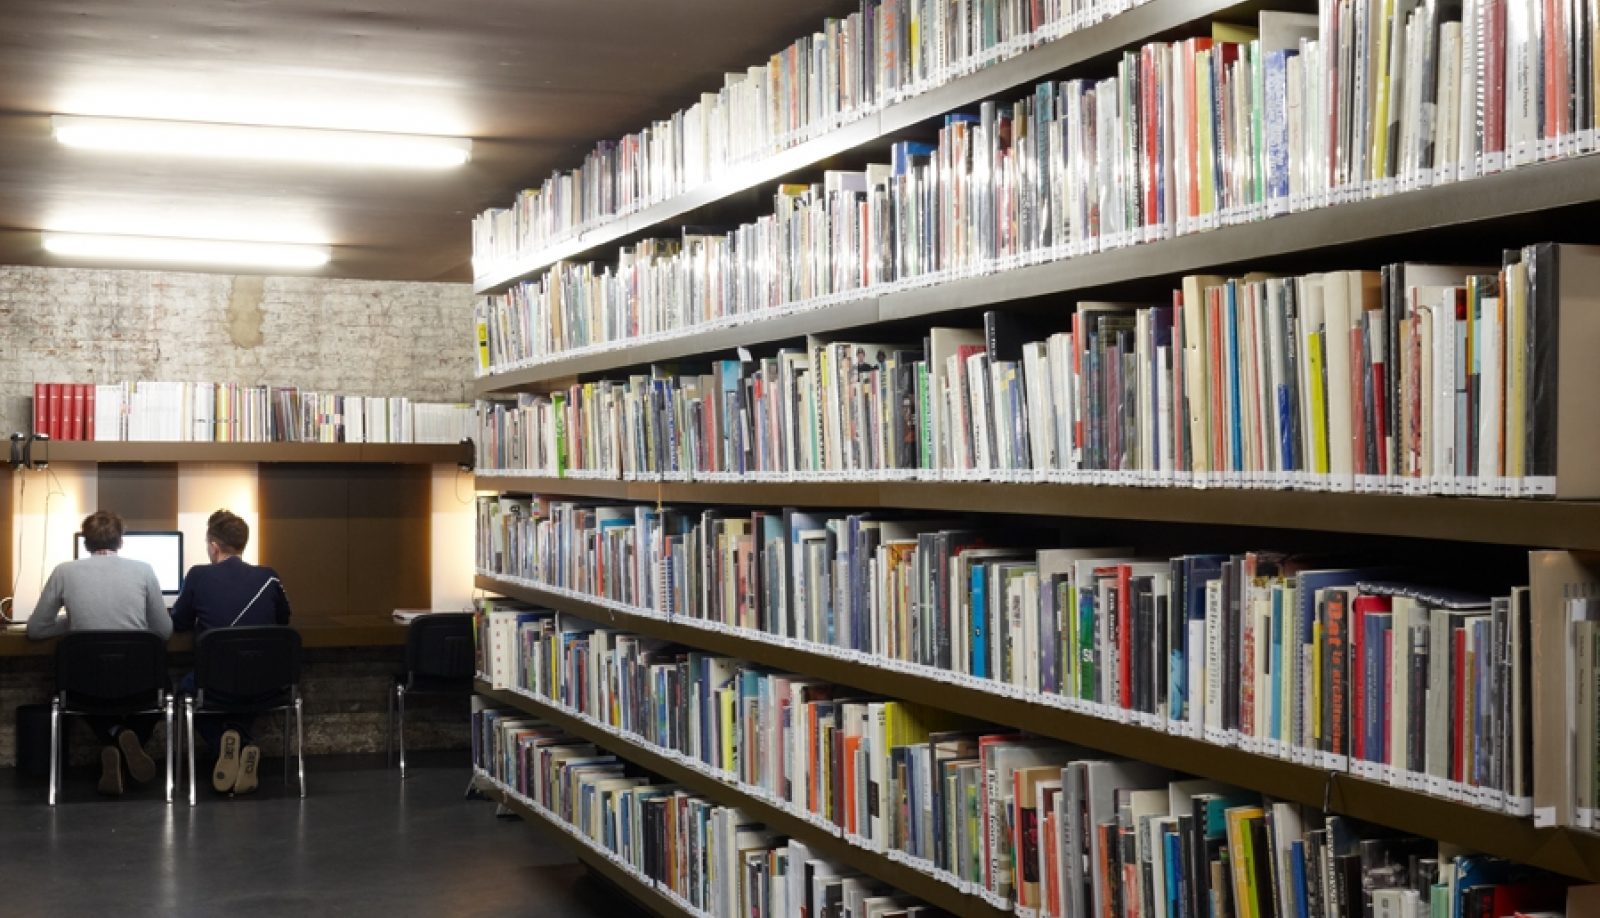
<point x="533" y="82"/>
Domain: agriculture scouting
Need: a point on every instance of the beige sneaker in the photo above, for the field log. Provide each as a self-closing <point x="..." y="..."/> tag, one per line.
<point x="141" y="767"/>
<point x="226" y="773"/>
<point x="110" y="771"/>
<point x="249" y="768"/>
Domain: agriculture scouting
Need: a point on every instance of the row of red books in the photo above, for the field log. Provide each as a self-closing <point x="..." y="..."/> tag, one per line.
<point x="64" y="411"/>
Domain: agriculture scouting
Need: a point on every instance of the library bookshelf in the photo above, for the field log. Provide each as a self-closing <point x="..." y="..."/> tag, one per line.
<point x="1555" y="524"/>
<point x="821" y="839"/>
<point x="1563" y="851"/>
<point x="1353" y="233"/>
<point x="1520" y="205"/>
<point x="868" y="134"/>
<point x="637" y="886"/>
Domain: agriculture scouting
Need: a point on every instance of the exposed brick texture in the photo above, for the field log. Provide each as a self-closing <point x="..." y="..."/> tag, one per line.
<point x="102" y="326"/>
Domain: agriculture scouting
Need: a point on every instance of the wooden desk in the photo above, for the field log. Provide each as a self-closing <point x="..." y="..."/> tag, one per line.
<point x="355" y="629"/>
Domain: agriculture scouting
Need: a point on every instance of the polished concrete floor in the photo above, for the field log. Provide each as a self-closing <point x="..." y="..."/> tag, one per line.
<point x="361" y="843"/>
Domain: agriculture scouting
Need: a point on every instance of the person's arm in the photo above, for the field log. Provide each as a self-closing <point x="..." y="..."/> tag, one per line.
<point x="280" y="601"/>
<point x="183" y="607"/>
<point x="46" y="621"/>
<point x="155" y="610"/>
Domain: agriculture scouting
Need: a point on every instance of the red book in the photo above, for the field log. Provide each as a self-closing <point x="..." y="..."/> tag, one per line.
<point x="53" y="425"/>
<point x="80" y="402"/>
<point x="1380" y="417"/>
<point x="1338" y="631"/>
<point x="1493" y="63"/>
<point x="1124" y="613"/>
<point x="88" y="411"/>
<point x="848" y="818"/>
<point x="41" y="401"/>
<point x="1518" y="898"/>
<point x="1358" y="682"/>
<point x="986" y="746"/>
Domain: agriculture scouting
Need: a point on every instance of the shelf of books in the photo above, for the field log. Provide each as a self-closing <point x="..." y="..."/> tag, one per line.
<point x="938" y="805"/>
<point x="1562" y="524"/>
<point x="820" y="836"/>
<point x="1397" y="805"/>
<point x="1352" y="231"/>
<point x="624" y="877"/>
<point x="1310" y="279"/>
<point x="148" y="451"/>
<point x="959" y="63"/>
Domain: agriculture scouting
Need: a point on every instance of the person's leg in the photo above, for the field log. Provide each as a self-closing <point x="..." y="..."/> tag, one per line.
<point x="132" y="737"/>
<point x="105" y="729"/>
<point x="249" y="753"/>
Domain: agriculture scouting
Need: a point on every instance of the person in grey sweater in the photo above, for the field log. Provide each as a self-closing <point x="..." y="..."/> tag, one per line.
<point x="104" y="592"/>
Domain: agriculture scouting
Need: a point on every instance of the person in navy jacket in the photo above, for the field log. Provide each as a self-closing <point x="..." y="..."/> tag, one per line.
<point x="229" y="592"/>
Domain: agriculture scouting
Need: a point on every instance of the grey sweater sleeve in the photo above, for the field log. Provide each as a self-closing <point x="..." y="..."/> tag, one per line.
<point x="155" y="608"/>
<point x="47" y="621"/>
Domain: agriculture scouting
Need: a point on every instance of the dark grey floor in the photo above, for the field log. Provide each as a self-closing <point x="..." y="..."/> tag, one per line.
<point x="361" y="843"/>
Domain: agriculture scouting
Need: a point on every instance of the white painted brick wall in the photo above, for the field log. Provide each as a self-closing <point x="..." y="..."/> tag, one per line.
<point x="101" y="326"/>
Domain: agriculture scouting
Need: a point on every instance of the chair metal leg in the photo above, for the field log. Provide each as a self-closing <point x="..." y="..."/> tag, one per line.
<point x="285" y="747"/>
<point x="400" y="723"/>
<point x="166" y="705"/>
<point x="55" y="747"/>
<point x="300" y="741"/>
<point x="388" y="736"/>
<point x="188" y="735"/>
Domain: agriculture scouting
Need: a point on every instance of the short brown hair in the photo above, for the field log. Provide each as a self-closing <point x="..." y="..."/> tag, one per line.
<point x="102" y="531"/>
<point x="228" y="530"/>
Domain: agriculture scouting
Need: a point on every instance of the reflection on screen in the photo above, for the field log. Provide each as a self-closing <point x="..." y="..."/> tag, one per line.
<point x="161" y="550"/>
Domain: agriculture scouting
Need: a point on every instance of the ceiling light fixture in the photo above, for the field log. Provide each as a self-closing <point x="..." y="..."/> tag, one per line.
<point x="260" y="142"/>
<point x="170" y="250"/>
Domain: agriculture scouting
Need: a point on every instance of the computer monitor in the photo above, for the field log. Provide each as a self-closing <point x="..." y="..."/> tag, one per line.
<point x="161" y="550"/>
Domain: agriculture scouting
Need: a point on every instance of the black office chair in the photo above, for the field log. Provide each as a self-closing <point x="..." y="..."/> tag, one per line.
<point x="115" y="673"/>
<point x="248" y="670"/>
<point x="439" y="661"/>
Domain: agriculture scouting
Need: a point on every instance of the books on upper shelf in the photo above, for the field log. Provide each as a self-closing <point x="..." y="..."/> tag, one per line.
<point x="1369" y="98"/>
<point x="1412" y="379"/>
<point x="710" y="859"/>
<point x="234" y="413"/>
<point x="851" y="67"/>
<point x="1031" y="824"/>
<point x="1312" y="660"/>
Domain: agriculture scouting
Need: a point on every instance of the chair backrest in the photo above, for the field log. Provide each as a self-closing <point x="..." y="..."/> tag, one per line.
<point x="439" y="646"/>
<point x="257" y="661"/>
<point x="111" y="666"/>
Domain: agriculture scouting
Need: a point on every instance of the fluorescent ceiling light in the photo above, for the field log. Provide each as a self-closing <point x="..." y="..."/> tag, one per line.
<point x="169" y="250"/>
<point x="246" y="141"/>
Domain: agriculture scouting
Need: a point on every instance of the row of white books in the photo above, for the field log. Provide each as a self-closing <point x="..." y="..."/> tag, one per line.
<point x="1414" y="379"/>
<point x="234" y="413"/>
<point x="851" y="68"/>
<point x="1031" y="825"/>
<point x="708" y="859"/>
<point x="1365" y="666"/>
<point x="1184" y="136"/>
